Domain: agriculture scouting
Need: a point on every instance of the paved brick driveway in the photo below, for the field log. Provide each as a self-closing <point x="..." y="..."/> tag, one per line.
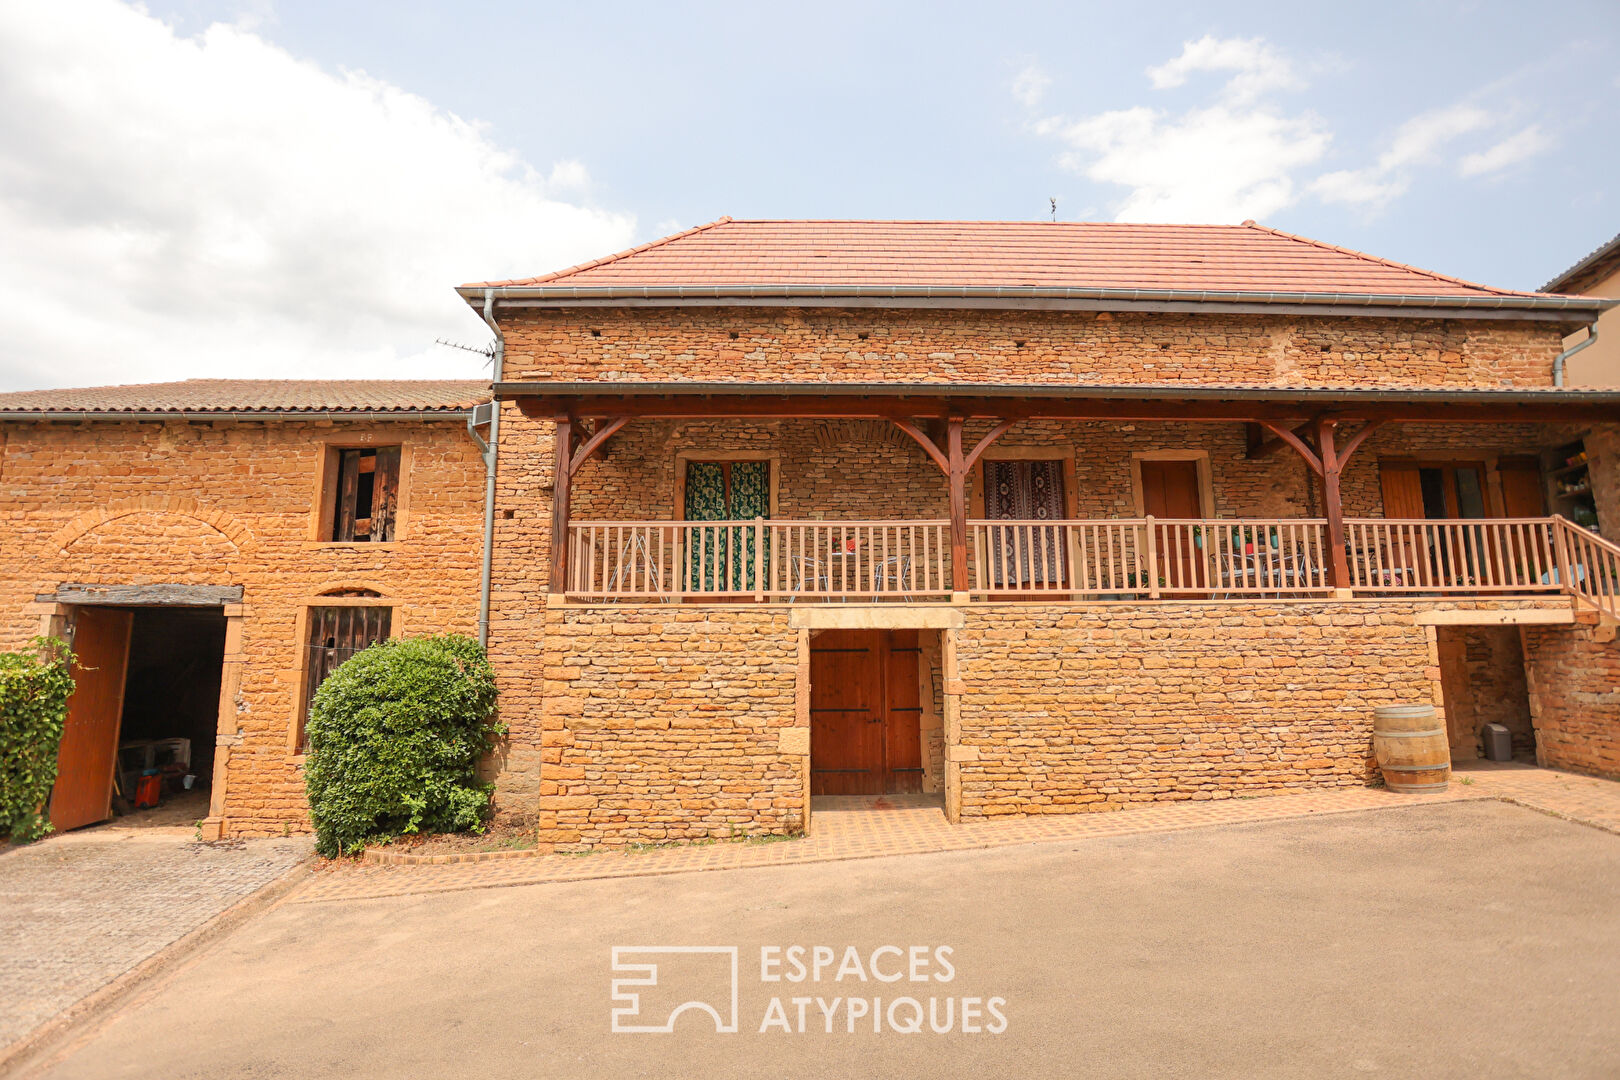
<point x="78" y="911"/>
<point x="848" y="829"/>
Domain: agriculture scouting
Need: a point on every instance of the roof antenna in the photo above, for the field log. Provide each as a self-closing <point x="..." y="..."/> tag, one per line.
<point x="1054" y="207"/>
<point x="487" y="352"/>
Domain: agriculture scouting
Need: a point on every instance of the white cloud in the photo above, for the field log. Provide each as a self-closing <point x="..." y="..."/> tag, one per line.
<point x="1226" y="161"/>
<point x="212" y="206"/>
<point x="1417" y="142"/>
<point x="568" y="176"/>
<point x="1517" y="147"/>
<point x="1030" y="85"/>
<point x="1207" y="165"/>
<point x="1259" y="68"/>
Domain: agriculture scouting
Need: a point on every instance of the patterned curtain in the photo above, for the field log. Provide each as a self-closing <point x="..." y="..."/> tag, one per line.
<point x="1025" y="491"/>
<point x="723" y="558"/>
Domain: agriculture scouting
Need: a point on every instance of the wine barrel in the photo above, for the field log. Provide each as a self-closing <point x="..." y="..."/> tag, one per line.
<point x="1410" y="744"/>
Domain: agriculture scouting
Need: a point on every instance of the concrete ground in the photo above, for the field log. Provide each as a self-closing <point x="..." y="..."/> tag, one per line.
<point x="1462" y="939"/>
<point x="79" y="910"/>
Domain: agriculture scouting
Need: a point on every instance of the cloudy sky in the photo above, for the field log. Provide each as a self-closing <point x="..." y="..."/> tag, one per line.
<point x="289" y="189"/>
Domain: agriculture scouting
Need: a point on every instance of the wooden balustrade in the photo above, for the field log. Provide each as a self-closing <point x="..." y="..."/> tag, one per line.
<point x="1590" y="565"/>
<point x="645" y="560"/>
<point x="1127" y="558"/>
<point x="1473" y="555"/>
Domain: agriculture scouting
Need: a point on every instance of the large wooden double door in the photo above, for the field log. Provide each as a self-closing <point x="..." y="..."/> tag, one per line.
<point x="865" y="713"/>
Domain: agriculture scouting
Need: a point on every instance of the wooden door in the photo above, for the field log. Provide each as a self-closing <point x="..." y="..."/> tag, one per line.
<point x="902" y="720"/>
<point x="1170" y="489"/>
<point x="89" y="750"/>
<point x="865" y="713"/>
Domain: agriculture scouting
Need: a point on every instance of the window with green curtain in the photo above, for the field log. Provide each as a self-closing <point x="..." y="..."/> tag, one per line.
<point x="723" y="558"/>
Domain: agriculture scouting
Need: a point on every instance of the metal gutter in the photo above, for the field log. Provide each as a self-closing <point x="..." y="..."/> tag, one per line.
<point x="1144" y="392"/>
<point x="561" y="294"/>
<point x="1563" y="357"/>
<point x="130" y="416"/>
<point x="492" y="448"/>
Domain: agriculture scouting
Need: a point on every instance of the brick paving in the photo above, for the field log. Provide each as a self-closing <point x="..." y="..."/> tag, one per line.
<point x="850" y="829"/>
<point x="1567" y="795"/>
<point x="859" y="828"/>
<point x="77" y="911"/>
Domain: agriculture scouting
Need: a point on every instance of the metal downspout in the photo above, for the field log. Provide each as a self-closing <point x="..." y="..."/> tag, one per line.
<point x="1558" y="362"/>
<point x="490" y="459"/>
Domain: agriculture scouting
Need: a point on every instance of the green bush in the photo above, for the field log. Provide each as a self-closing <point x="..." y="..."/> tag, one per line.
<point x="395" y="737"/>
<point x="34" y="688"/>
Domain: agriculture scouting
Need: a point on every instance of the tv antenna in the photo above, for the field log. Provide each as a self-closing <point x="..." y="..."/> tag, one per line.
<point x="487" y="352"/>
<point x="1053" y="201"/>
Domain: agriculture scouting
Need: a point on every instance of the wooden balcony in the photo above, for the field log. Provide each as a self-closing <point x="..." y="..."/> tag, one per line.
<point x="1132" y="559"/>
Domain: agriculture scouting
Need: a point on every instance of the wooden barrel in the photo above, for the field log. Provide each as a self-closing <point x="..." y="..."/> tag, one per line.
<point x="1411" y="747"/>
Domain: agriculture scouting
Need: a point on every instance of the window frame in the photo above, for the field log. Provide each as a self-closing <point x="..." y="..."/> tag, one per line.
<point x="298" y="674"/>
<point x="323" y="513"/>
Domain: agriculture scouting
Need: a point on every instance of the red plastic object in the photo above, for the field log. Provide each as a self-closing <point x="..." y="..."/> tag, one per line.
<point x="148" y="791"/>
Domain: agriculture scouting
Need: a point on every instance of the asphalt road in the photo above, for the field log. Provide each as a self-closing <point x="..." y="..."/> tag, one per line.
<point x="1464" y="940"/>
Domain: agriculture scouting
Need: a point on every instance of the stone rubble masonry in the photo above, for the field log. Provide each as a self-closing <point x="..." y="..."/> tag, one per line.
<point x="1574" y="681"/>
<point x="123" y="503"/>
<point x="877" y="345"/>
<point x="663" y="723"/>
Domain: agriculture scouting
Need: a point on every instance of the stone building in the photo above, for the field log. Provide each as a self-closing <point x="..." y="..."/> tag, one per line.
<point x="1033" y="517"/>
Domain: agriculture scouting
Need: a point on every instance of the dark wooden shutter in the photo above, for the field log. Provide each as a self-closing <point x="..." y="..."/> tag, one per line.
<point x="385" y="494"/>
<point x="348" y="487"/>
<point x="1402" y="488"/>
<point x="335" y="634"/>
<point x="1523" y="494"/>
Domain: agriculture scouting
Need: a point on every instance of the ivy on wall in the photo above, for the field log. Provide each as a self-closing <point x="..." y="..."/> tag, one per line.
<point x="35" y="684"/>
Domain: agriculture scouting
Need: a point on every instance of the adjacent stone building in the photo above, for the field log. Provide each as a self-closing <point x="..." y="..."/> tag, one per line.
<point x="1028" y="517"/>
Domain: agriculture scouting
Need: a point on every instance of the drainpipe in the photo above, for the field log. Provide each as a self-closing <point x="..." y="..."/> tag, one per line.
<point x="1558" y="363"/>
<point x="491" y="453"/>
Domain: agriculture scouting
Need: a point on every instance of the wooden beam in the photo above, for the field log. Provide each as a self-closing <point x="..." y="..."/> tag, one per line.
<point x="984" y="444"/>
<point x="1291" y="437"/>
<point x="563" y="474"/>
<point x="1270" y="446"/>
<point x="605" y="430"/>
<point x="1356" y="440"/>
<point x="1333" y="507"/>
<point x="927" y="443"/>
<point x="868" y="407"/>
<point x="956" y="478"/>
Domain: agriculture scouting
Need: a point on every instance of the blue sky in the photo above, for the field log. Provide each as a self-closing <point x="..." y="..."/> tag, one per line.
<point x="328" y="154"/>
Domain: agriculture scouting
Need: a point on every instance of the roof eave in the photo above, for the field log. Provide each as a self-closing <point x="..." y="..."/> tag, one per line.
<point x="1571" y="308"/>
<point x="231" y="415"/>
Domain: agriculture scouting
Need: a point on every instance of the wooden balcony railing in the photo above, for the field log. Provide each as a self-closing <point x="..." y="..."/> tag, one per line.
<point x="761" y="560"/>
<point x="1127" y="558"/>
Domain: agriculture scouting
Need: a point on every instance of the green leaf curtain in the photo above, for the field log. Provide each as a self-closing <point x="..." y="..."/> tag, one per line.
<point x="722" y="558"/>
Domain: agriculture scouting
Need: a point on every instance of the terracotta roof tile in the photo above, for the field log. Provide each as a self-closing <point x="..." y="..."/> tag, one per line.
<point x="1007" y="254"/>
<point x="257" y="395"/>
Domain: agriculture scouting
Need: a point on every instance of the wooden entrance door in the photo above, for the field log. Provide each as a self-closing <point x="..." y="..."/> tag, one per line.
<point x="89" y="749"/>
<point x="865" y="713"/>
<point x="1170" y="489"/>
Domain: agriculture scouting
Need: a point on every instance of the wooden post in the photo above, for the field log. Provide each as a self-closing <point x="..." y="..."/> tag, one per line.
<point x="759" y="560"/>
<point x="956" y="477"/>
<point x="1333" y="506"/>
<point x="559" y="504"/>
<point x="1152" y="559"/>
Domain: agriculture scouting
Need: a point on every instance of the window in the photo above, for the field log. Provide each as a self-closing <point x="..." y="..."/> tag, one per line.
<point x="335" y="634"/>
<point x="367" y="495"/>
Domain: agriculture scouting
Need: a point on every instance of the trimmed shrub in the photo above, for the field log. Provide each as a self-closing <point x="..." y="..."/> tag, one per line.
<point x="395" y="737"/>
<point x="35" y="685"/>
